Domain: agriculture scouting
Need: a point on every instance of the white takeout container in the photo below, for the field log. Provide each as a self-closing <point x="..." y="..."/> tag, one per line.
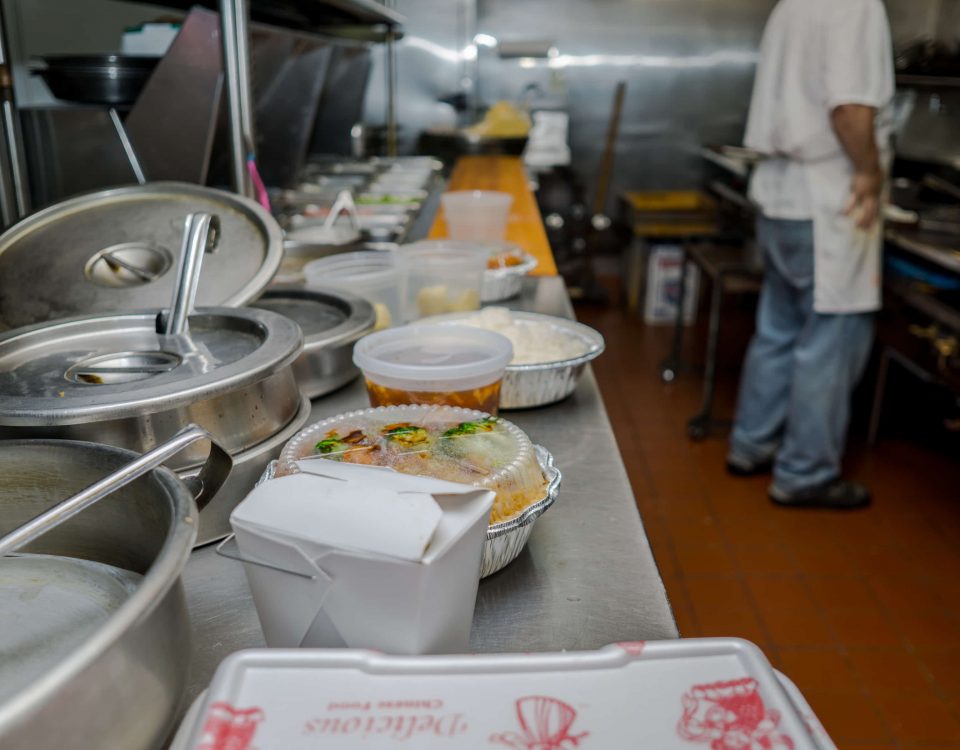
<point x="343" y="555"/>
<point x="667" y="695"/>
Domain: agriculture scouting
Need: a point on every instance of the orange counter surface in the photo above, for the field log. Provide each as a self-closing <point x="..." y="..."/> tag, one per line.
<point x="504" y="173"/>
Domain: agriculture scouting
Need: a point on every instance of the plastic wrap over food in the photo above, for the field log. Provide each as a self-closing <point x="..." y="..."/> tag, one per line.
<point x="457" y="445"/>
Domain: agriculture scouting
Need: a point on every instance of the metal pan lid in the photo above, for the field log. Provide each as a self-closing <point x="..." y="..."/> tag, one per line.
<point x="116" y="366"/>
<point x="326" y="318"/>
<point x="117" y="250"/>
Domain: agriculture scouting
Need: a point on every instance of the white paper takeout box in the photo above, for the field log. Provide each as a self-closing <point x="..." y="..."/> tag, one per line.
<point x="363" y="557"/>
<point x="711" y="694"/>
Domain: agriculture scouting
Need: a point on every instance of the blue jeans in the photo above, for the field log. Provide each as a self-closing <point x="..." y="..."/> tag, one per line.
<point x="801" y="367"/>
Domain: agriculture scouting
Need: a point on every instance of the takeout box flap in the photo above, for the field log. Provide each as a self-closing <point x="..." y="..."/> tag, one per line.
<point x="318" y="513"/>
<point x="461" y="504"/>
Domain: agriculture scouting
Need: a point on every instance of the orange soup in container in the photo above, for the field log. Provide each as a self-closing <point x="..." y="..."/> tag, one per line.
<point x="435" y="365"/>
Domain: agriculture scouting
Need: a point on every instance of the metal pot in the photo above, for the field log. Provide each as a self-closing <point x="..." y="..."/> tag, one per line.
<point x="114" y="379"/>
<point x="248" y="466"/>
<point x="332" y="322"/>
<point x="121" y="686"/>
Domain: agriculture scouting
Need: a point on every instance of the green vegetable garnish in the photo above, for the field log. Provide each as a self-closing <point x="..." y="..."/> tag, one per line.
<point x="331" y="445"/>
<point x="409" y="435"/>
<point x="472" y="428"/>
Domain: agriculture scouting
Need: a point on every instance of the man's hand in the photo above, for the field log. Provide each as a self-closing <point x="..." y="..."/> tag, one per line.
<point x="854" y="126"/>
<point x="865" y="195"/>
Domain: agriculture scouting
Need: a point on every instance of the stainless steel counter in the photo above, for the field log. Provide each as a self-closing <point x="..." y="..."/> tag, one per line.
<point x="586" y="579"/>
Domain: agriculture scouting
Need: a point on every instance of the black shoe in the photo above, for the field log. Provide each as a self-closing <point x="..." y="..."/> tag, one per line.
<point x="739" y="466"/>
<point x="836" y="495"/>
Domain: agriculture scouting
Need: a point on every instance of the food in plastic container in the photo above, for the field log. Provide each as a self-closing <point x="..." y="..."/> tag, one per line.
<point x="456" y="445"/>
<point x="442" y="276"/>
<point x="504" y="280"/>
<point x="477" y="214"/>
<point x="418" y="364"/>
<point x="372" y="274"/>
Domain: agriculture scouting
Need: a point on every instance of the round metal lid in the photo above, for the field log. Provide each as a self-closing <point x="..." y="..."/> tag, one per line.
<point x="327" y="318"/>
<point x="115" y="366"/>
<point x="117" y="250"/>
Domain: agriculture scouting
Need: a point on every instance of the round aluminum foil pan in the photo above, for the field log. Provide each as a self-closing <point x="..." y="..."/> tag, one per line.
<point x="501" y="284"/>
<point x="505" y="540"/>
<point x="530" y="386"/>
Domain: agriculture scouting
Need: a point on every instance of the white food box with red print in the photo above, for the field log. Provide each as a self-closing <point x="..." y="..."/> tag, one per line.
<point x="716" y="694"/>
<point x="353" y="556"/>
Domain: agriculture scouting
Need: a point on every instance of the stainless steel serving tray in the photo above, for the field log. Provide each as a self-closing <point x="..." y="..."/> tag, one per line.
<point x="332" y="322"/>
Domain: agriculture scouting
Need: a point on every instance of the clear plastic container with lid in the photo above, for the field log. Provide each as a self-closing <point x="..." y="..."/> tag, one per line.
<point x="458" y="445"/>
<point x="374" y="275"/>
<point x="477" y="214"/>
<point x="442" y="276"/>
<point x="434" y="364"/>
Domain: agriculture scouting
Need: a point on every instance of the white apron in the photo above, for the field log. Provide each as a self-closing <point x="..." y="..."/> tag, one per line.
<point x="848" y="262"/>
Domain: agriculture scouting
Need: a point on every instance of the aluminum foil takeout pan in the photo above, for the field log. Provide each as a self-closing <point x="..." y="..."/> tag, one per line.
<point x="527" y="386"/>
<point x="505" y="540"/>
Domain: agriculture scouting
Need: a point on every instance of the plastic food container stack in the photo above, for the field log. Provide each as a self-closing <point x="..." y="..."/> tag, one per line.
<point x="668" y="695"/>
<point x="442" y="277"/>
<point x="344" y="555"/>
<point x="434" y="364"/>
<point x="477" y="214"/>
<point x="374" y="275"/>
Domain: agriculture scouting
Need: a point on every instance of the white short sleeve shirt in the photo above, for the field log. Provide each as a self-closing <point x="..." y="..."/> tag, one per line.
<point x="815" y="56"/>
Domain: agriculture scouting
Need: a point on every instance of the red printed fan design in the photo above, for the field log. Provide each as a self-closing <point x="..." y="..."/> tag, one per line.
<point x="731" y="716"/>
<point x="228" y="728"/>
<point x="546" y="724"/>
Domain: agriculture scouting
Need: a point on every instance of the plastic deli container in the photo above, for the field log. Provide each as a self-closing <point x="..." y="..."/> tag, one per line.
<point x="455" y="445"/>
<point x="442" y="276"/>
<point x="668" y="695"/>
<point x="477" y="214"/>
<point x="434" y="364"/>
<point x="374" y="275"/>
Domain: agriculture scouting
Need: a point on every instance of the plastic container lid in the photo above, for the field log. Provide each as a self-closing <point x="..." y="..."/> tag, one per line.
<point x="433" y="357"/>
<point x="367" y="266"/>
<point x="445" y="442"/>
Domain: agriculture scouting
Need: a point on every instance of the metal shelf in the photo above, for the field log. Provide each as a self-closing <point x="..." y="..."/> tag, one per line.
<point x="306" y="15"/>
<point x="907" y="80"/>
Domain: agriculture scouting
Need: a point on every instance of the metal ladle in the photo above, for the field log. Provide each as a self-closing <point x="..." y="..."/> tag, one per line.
<point x="213" y="474"/>
<point x="201" y="235"/>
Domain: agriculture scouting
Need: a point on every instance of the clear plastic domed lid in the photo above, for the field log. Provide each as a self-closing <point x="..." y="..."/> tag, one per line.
<point x="458" y="445"/>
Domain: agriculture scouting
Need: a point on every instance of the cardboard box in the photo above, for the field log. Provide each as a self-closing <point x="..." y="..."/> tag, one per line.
<point x="343" y="555"/>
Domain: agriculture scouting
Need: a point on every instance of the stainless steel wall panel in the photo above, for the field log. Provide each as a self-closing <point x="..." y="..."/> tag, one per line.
<point x="433" y="62"/>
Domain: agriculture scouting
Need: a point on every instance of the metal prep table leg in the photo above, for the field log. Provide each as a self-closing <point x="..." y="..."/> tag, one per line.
<point x="671" y="365"/>
<point x="699" y="426"/>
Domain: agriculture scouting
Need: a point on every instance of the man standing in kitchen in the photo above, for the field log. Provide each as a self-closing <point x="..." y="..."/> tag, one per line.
<point x="821" y="117"/>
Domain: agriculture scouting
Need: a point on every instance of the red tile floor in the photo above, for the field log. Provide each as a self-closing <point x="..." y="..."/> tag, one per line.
<point x="862" y="610"/>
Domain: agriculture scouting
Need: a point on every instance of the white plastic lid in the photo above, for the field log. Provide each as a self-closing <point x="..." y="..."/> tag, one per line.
<point x="433" y="357"/>
<point x="445" y="255"/>
<point x="362" y="265"/>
